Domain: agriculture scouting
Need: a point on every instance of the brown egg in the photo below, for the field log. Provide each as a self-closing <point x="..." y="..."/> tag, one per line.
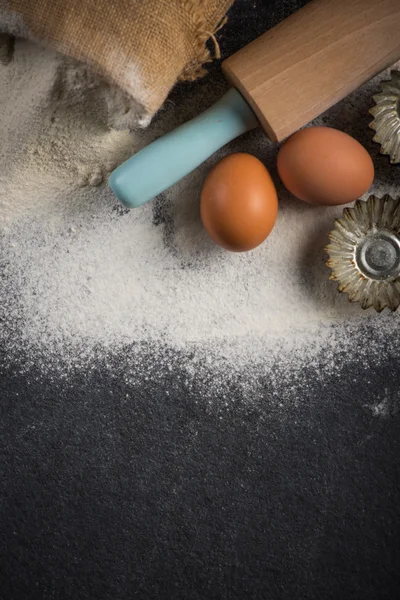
<point x="321" y="165"/>
<point x="239" y="204"/>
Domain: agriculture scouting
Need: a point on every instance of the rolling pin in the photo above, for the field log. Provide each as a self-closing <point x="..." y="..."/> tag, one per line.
<point x="282" y="80"/>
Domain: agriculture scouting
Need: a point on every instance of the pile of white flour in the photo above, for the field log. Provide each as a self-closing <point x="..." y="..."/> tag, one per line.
<point x="81" y="277"/>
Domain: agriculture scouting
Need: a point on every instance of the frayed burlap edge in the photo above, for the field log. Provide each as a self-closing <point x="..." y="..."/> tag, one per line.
<point x="196" y="68"/>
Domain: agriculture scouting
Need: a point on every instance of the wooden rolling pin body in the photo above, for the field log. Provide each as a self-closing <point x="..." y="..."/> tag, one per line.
<point x="313" y="59"/>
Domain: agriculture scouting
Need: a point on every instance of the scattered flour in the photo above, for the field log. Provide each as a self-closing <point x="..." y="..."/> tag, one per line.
<point x="54" y="131"/>
<point x="80" y="277"/>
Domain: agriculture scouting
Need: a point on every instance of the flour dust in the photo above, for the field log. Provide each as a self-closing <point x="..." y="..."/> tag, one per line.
<point x="84" y="280"/>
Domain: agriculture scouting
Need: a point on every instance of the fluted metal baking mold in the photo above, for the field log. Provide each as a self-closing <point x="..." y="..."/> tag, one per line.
<point x="364" y="253"/>
<point x="386" y="113"/>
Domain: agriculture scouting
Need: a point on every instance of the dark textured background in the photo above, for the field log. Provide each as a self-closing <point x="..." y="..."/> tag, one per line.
<point x="115" y="493"/>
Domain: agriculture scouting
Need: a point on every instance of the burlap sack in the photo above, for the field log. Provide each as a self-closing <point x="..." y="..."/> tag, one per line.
<point x="143" y="46"/>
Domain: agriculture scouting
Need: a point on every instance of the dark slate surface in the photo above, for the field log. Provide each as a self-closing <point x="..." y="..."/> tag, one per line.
<point x="159" y="496"/>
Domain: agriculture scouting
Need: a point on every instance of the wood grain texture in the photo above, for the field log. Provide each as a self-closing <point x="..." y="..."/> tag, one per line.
<point x="313" y="59"/>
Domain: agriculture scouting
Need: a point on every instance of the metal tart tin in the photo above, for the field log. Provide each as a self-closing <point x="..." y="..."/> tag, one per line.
<point x="364" y="253"/>
<point x="386" y="113"/>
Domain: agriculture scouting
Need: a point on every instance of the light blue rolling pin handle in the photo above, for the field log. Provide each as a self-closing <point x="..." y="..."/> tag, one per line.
<point x="164" y="162"/>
